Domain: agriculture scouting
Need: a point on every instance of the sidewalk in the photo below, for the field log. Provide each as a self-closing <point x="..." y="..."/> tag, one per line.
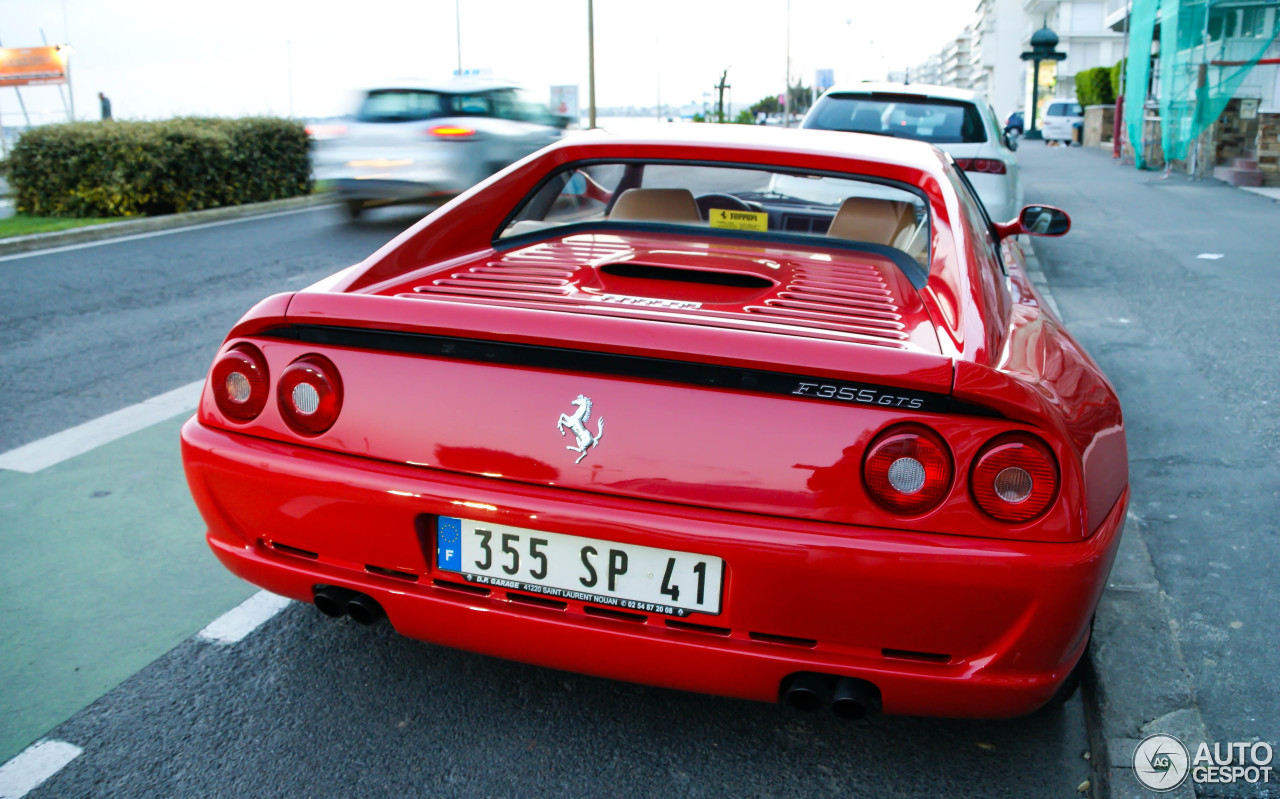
<point x="1171" y="285"/>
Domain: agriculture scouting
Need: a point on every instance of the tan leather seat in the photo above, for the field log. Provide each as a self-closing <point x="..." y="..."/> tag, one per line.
<point x="656" y="205"/>
<point x="872" y="220"/>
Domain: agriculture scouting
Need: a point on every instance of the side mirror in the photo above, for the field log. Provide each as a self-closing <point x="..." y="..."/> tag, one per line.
<point x="1037" y="220"/>
<point x="1010" y="142"/>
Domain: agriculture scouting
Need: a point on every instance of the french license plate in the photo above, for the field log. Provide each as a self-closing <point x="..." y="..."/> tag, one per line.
<point x="622" y="576"/>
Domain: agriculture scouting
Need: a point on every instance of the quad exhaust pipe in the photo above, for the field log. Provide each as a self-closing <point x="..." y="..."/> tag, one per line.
<point x="848" y="697"/>
<point x="336" y="602"/>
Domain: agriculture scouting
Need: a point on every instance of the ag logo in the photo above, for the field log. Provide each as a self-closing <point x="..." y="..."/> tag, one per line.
<point x="1160" y="762"/>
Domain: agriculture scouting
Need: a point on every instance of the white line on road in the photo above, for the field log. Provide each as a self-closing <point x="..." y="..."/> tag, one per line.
<point x="231" y="627"/>
<point x="37" y="455"/>
<point x="155" y="233"/>
<point x="33" y="766"/>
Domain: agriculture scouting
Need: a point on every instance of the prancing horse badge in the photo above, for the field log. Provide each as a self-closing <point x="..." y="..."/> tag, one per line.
<point x="577" y="424"/>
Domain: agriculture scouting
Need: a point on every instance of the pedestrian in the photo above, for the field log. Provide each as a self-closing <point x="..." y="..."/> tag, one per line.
<point x="105" y="103"/>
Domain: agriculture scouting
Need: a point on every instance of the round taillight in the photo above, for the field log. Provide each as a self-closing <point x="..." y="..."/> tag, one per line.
<point x="240" y="383"/>
<point x="1015" y="477"/>
<point x="908" y="470"/>
<point x="310" y="395"/>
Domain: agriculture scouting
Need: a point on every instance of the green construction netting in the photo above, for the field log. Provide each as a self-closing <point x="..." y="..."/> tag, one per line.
<point x="1207" y="48"/>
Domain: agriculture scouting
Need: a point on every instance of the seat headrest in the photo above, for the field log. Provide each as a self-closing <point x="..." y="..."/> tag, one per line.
<point x="872" y="220"/>
<point x="656" y="205"/>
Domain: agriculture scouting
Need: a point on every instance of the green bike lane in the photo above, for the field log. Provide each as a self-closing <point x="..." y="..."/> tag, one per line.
<point x="104" y="569"/>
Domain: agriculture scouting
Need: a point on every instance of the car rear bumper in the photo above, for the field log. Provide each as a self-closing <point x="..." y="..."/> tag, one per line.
<point x="1059" y="128"/>
<point x="942" y="625"/>
<point x="394" y="191"/>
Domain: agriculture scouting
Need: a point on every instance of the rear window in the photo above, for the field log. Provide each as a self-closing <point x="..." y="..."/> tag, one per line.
<point x="729" y="199"/>
<point x="400" y="105"/>
<point x="903" y="116"/>
<point x="1064" y="110"/>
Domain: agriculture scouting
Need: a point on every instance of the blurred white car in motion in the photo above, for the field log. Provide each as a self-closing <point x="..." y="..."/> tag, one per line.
<point x="957" y="121"/>
<point x="415" y="141"/>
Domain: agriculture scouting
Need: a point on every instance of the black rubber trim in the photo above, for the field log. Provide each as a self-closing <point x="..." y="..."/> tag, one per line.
<point x="605" y="363"/>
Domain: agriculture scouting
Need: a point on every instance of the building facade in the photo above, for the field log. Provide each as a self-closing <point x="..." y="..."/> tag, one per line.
<point x="996" y="69"/>
<point x="956" y="61"/>
<point x="1083" y="34"/>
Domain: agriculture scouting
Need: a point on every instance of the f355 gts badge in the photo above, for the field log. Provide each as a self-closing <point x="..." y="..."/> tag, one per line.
<point x="577" y="424"/>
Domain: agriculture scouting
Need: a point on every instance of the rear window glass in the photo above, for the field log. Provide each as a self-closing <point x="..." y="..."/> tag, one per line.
<point x="1064" y="110"/>
<point x="729" y="199"/>
<point x="903" y="116"/>
<point x="400" y="105"/>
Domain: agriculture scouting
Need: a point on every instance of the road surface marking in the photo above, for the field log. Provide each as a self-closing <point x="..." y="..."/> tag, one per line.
<point x="33" y="766"/>
<point x="154" y="233"/>
<point x="231" y="627"/>
<point x="37" y="455"/>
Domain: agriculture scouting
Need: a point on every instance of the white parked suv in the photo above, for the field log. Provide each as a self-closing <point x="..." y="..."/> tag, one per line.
<point x="958" y="121"/>
<point x="1060" y="120"/>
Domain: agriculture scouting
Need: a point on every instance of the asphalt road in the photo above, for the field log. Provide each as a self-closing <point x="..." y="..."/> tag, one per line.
<point x="311" y="707"/>
<point x="306" y="706"/>
<point x="94" y="329"/>
<point x="1171" y="285"/>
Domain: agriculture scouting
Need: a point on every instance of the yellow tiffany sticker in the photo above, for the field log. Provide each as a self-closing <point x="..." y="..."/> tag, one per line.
<point x="739" y="220"/>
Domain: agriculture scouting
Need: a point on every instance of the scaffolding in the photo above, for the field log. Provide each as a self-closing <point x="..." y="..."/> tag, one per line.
<point x="1206" y="50"/>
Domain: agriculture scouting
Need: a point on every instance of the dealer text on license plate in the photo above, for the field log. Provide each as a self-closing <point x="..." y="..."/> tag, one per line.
<point x="622" y="576"/>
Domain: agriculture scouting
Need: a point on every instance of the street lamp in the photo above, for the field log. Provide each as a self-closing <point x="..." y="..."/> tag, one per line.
<point x="1044" y="47"/>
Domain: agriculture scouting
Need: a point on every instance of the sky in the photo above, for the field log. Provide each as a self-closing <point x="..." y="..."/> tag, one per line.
<point x="157" y="60"/>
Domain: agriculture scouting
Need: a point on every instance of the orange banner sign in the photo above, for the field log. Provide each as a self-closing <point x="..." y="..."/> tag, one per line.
<point x="26" y="66"/>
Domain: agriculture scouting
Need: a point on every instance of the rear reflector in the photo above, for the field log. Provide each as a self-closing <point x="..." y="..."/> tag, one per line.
<point x="240" y="383"/>
<point x="908" y="470"/>
<point x="987" y="166"/>
<point x="310" y="395"/>
<point x="1015" y="478"/>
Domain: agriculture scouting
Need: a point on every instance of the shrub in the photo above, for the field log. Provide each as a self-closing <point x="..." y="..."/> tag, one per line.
<point x="1117" y="73"/>
<point x="87" y="169"/>
<point x="1093" y="86"/>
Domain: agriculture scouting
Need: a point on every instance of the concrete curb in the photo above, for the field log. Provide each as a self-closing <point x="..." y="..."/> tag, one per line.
<point x="111" y="230"/>
<point x="1137" y="682"/>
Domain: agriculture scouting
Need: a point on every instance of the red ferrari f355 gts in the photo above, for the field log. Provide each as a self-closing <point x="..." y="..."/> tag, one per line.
<point x="767" y="414"/>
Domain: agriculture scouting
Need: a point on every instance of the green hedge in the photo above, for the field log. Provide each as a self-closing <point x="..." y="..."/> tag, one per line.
<point x="1116" y="71"/>
<point x="1093" y="86"/>
<point x="135" y="168"/>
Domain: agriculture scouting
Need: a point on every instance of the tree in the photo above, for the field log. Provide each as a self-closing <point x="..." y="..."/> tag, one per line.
<point x="800" y="97"/>
<point x="767" y="105"/>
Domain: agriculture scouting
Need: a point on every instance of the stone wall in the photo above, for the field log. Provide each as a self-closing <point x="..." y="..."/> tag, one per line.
<point x="1233" y="136"/>
<point x="1268" y="148"/>
<point x="1099" y="125"/>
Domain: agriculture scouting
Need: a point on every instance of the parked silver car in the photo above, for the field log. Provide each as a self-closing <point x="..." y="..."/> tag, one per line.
<point x="957" y="121"/>
<point x="414" y="142"/>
